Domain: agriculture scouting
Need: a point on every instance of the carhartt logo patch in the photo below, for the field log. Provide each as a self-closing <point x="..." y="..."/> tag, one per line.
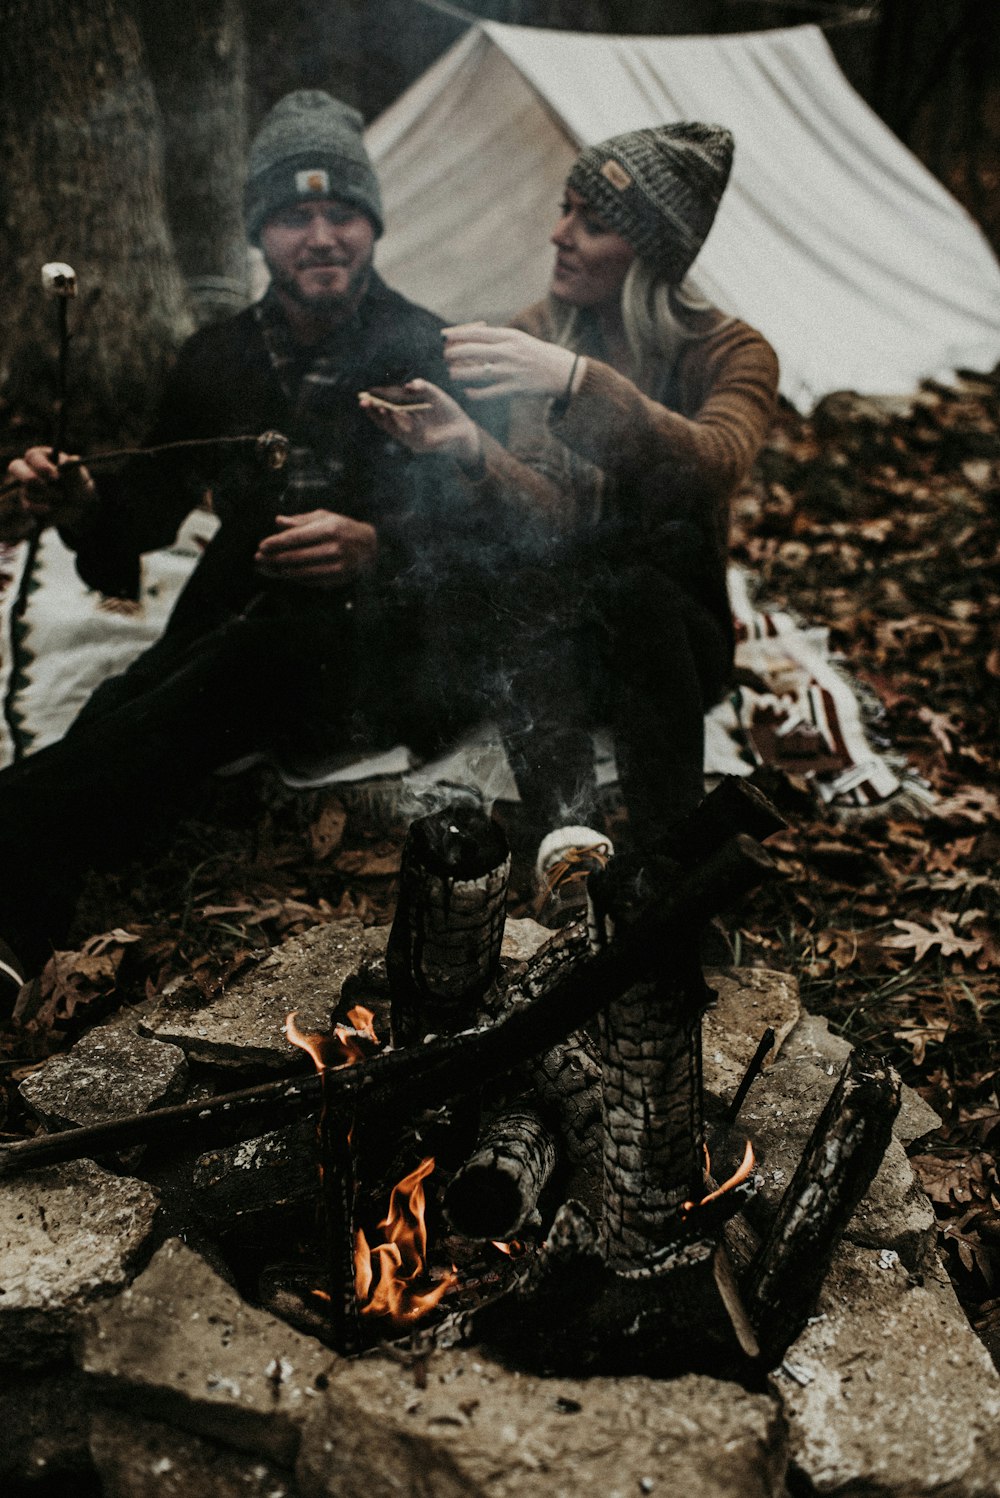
<point x="315" y="180"/>
<point x="616" y="175"/>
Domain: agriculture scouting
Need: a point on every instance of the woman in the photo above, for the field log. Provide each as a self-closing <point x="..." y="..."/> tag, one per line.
<point x="635" y="410"/>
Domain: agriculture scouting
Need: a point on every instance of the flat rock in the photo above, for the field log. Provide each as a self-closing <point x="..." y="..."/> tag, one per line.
<point x="137" y="1458"/>
<point x="510" y="1435"/>
<point x="889" y="1390"/>
<point x="244" y="1027"/>
<point x="181" y="1346"/>
<point x="778" y="1117"/>
<point x="113" y="1072"/>
<point x="748" y="1001"/>
<point x="68" y="1235"/>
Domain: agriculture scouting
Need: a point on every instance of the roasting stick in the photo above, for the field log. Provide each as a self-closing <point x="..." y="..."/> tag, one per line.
<point x="59" y="282"/>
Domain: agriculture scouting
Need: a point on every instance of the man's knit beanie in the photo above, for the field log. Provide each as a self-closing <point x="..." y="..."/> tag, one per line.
<point x="309" y="146"/>
<point x="659" y="189"/>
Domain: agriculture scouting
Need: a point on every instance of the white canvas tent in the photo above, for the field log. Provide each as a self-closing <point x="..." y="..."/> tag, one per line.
<point x="833" y="239"/>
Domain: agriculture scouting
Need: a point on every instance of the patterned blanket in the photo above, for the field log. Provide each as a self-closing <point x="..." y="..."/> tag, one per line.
<point x="794" y="708"/>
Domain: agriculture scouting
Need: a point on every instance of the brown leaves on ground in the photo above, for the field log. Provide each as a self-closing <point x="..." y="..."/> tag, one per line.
<point x="881" y="520"/>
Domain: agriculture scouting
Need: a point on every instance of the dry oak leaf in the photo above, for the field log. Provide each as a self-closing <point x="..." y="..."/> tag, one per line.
<point x="919" y="1036"/>
<point x="327" y="832"/>
<point x="841" y="947"/>
<point x="369" y="864"/>
<point x="941" y="934"/>
<point x="951" y="1180"/>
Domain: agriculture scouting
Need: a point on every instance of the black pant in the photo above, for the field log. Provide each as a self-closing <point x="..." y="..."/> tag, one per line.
<point x="188" y="705"/>
<point x="628" y="647"/>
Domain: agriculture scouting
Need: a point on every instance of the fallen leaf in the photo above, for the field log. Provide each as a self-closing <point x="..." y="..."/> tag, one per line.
<point x="922" y="939"/>
<point x="327" y="831"/>
<point x="369" y="864"/>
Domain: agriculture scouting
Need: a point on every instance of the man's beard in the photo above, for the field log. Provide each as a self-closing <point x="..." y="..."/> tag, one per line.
<point x="330" y="307"/>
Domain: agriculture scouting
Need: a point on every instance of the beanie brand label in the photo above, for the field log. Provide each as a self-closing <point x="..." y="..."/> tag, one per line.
<point x="315" y="180"/>
<point x="616" y="175"/>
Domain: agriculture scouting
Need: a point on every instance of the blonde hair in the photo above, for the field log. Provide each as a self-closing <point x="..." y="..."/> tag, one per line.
<point x="659" y="318"/>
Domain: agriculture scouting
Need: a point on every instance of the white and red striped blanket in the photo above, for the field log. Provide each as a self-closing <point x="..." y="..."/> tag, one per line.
<point x="794" y="708"/>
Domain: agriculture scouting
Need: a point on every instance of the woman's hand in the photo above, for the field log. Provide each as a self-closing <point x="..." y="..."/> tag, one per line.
<point x="51" y="493"/>
<point x="319" y="549"/>
<point x="504" y="361"/>
<point x="437" y="424"/>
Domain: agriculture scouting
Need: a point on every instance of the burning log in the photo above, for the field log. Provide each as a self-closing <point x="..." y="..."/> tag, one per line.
<point x="649" y="1287"/>
<point x="444" y="947"/>
<point x="839" y="1164"/>
<point x="495" y="1192"/>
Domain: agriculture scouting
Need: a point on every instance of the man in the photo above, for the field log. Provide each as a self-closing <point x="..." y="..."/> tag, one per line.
<point x="313" y="616"/>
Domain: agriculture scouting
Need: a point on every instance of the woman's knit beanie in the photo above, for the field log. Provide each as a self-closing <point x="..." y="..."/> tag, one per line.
<point x="659" y="189"/>
<point x="309" y="146"/>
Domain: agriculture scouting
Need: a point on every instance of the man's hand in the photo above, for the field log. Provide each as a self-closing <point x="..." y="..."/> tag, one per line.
<point x="493" y="362"/>
<point x="439" y="426"/>
<point x="318" y="549"/>
<point x="50" y="493"/>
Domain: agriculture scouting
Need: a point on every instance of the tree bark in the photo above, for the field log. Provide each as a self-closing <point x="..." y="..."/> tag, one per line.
<point x="82" y="150"/>
<point x="198" y="63"/>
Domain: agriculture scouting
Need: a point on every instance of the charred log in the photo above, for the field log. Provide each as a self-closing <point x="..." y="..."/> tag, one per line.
<point x="839" y="1164"/>
<point x="254" y="1177"/>
<point x="654" y="1135"/>
<point x="337" y="1194"/>
<point x="444" y="947"/>
<point x="496" y="1191"/>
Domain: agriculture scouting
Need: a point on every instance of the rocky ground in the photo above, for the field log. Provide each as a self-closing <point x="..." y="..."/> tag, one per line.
<point x="879" y="520"/>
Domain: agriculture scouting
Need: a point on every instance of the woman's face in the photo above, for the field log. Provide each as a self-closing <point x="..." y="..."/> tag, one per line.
<point x="591" y="259"/>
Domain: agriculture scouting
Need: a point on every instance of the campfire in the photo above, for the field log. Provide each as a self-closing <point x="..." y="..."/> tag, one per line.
<point x="529" y="1160"/>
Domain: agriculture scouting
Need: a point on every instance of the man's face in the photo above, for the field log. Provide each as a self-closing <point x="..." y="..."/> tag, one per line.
<point x="319" y="253"/>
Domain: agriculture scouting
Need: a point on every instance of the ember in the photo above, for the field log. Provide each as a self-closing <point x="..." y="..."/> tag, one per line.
<point x="741" y="1174"/>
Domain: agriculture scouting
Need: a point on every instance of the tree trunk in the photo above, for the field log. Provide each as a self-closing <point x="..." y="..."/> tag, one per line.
<point x="198" y="63"/>
<point x="81" y="143"/>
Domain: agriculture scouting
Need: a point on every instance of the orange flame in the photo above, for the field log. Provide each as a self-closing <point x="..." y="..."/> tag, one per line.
<point x="402" y="1259"/>
<point x="746" y="1165"/>
<point x="514" y="1249"/>
<point x="341" y="1048"/>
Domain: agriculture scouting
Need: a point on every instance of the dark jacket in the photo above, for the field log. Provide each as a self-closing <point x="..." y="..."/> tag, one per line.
<point x="224" y="385"/>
